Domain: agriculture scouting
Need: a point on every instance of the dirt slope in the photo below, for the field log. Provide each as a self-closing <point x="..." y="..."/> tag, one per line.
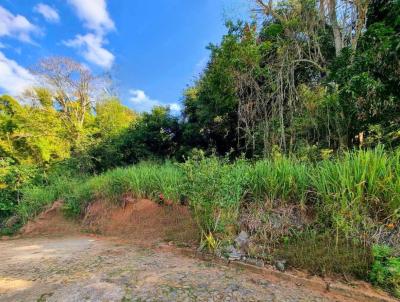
<point x="140" y="220"/>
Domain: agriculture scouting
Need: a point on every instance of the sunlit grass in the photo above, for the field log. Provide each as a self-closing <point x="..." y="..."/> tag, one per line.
<point x="349" y="193"/>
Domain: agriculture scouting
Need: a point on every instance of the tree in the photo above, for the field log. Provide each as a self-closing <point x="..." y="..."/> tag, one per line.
<point x="367" y="79"/>
<point x="112" y="117"/>
<point x="346" y="18"/>
<point x="74" y="90"/>
<point x="31" y="134"/>
<point x="155" y="135"/>
<point x="211" y="105"/>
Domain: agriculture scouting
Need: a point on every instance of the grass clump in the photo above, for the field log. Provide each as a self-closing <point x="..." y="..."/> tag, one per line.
<point x="322" y="254"/>
<point x="215" y="189"/>
<point x="358" y="191"/>
<point x="280" y="178"/>
<point x="145" y="180"/>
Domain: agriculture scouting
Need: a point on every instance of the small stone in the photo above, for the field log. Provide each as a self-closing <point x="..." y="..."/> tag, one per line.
<point x="242" y="241"/>
<point x="280" y="265"/>
<point x="256" y="262"/>
<point x="233" y="253"/>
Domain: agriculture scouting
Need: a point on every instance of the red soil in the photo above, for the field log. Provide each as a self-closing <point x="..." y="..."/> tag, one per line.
<point x="140" y="220"/>
<point x="51" y="222"/>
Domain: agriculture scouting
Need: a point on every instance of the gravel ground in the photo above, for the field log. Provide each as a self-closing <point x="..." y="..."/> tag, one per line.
<point x="97" y="269"/>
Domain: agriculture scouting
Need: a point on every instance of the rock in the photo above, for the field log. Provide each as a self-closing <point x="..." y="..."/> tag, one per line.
<point x="242" y="241"/>
<point x="256" y="262"/>
<point x="183" y="200"/>
<point x="233" y="253"/>
<point x="280" y="265"/>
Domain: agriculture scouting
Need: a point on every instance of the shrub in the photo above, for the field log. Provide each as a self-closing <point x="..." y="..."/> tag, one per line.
<point x="385" y="270"/>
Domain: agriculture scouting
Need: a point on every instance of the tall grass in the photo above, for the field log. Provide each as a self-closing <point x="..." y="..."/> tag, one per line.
<point x="145" y="180"/>
<point x="280" y="178"/>
<point x="349" y="193"/>
<point x="215" y="189"/>
<point x="359" y="189"/>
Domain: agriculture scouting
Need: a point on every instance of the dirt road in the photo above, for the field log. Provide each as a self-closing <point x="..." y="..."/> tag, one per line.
<point x="88" y="268"/>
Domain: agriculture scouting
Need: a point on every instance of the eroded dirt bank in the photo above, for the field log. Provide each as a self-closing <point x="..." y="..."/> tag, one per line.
<point x="141" y="220"/>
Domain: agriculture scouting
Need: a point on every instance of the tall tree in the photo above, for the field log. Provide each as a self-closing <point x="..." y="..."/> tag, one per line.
<point x="112" y="117"/>
<point x="74" y="90"/>
<point x="31" y="134"/>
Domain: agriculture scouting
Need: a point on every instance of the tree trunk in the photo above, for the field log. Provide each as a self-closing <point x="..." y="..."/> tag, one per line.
<point x="335" y="27"/>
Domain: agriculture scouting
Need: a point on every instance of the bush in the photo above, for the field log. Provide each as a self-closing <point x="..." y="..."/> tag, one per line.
<point x="13" y="179"/>
<point x="386" y="269"/>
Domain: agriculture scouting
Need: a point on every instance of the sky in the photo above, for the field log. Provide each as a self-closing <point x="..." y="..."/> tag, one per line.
<point x="153" y="49"/>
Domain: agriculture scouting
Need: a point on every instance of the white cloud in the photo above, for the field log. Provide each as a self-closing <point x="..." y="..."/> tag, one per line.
<point x="91" y="47"/>
<point x="16" y="26"/>
<point x="142" y="102"/>
<point x="175" y="107"/>
<point x="94" y="14"/>
<point x="49" y="13"/>
<point x="14" y="78"/>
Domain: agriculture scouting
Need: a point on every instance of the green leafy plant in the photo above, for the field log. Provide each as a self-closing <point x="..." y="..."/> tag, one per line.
<point x="385" y="270"/>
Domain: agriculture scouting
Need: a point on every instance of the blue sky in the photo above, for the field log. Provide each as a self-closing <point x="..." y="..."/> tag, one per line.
<point x="153" y="49"/>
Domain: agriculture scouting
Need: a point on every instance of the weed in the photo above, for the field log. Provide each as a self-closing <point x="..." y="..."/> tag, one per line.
<point x="386" y="269"/>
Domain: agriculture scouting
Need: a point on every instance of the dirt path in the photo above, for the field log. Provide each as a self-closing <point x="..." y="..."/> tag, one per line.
<point x="84" y="268"/>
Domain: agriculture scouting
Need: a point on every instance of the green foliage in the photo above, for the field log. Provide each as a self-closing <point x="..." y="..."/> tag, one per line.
<point x="280" y="178"/>
<point x="153" y="136"/>
<point x="112" y="117"/>
<point x="215" y="189"/>
<point x="211" y="106"/>
<point x="280" y="95"/>
<point x="385" y="270"/>
<point x="30" y="134"/>
<point x="358" y="189"/>
<point x="368" y="79"/>
<point x="13" y="178"/>
<point x="345" y="200"/>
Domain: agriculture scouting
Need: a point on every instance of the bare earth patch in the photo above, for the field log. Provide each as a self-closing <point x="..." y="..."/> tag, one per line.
<point x="87" y="268"/>
<point x="141" y="220"/>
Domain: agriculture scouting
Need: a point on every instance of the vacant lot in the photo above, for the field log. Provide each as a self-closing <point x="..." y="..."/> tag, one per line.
<point x="86" y="268"/>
